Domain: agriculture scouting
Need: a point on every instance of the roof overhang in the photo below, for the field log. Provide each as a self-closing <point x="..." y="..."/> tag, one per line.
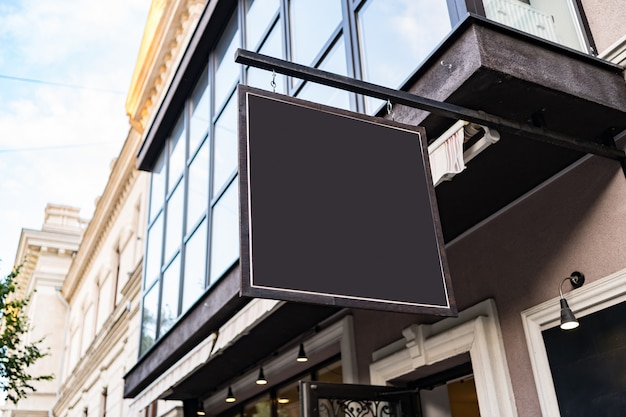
<point x="488" y="67"/>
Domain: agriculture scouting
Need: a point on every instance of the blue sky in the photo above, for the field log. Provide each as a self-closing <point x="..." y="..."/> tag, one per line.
<point x="65" y="68"/>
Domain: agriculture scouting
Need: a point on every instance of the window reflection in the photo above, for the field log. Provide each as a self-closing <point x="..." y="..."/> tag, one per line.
<point x="260" y="408"/>
<point x="312" y="24"/>
<point x="258" y="18"/>
<point x="273" y="46"/>
<point x="225" y="148"/>
<point x="195" y="266"/>
<point x="149" y="318"/>
<point x="169" y="301"/>
<point x="174" y="226"/>
<point x="199" y="122"/>
<point x="226" y="70"/>
<point x="395" y="36"/>
<point x="157" y="186"/>
<point x="288" y="401"/>
<point x="153" y="251"/>
<point x="225" y="232"/>
<point x="334" y="62"/>
<point x="198" y="187"/>
<point x="177" y="153"/>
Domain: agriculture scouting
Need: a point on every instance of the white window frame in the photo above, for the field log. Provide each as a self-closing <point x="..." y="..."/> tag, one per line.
<point x="588" y="299"/>
<point x="475" y="331"/>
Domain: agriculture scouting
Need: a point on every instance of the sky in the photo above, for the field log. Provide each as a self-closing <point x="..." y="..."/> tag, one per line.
<point x="65" y="70"/>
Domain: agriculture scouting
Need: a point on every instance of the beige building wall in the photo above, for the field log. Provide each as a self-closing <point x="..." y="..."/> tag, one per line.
<point x="102" y="290"/>
<point x="45" y="256"/>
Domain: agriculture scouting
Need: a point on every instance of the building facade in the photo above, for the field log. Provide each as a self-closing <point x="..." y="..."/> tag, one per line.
<point x="45" y="257"/>
<point x="518" y="219"/>
<point x="521" y="209"/>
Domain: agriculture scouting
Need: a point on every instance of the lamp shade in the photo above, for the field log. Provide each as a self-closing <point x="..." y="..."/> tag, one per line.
<point x="261" y="379"/>
<point x="568" y="320"/>
<point x="230" y="398"/>
<point x="302" y="354"/>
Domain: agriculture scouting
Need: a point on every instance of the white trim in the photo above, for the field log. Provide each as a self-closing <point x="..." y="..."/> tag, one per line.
<point x="476" y="331"/>
<point x="588" y="299"/>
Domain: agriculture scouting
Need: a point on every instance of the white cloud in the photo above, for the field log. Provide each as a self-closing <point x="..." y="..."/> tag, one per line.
<point x="62" y="139"/>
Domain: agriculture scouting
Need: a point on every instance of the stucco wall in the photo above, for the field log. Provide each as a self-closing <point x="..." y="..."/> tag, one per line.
<point x="606" y="20"/>
<point x="576" y="222"/>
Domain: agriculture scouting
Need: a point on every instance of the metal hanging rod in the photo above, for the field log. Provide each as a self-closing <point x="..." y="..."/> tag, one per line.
<point x="450" y="110"/>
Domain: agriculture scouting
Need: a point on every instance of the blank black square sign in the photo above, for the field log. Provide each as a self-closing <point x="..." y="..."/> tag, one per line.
<point x="337" y="208"/>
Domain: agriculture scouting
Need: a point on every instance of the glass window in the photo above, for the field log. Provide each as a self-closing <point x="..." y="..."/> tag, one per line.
<point x="259" y="408"/>
<point x="157" y="186"/>
<point x="198" y="187"/>
<point x="312" y="24"/>
<point x="395" y="36"/>
<point x="225" y="232"/>
<point x="195" y="266"/>
<point x="288" y="401"/>
<point x="149" y="318"/>
<point x="258" y="18"/>
<point x="273" y="46"/>
<point x="174" y="226"/>
<point x="334" y="62"/>
<point x="169" y="299"/>
<point x="177" y="153"/>
<point x="199" y="122"/>
<point x="153" y="251"/>
<point x="226" y="70"/>
<point x="225" y="147"/>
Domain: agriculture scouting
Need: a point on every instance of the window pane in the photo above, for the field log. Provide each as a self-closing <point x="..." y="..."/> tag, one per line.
<point x="262" y="407"/>
<point x="225" y="148"/>
<point x="312" y="24"/>
<point x="198" y="187"/>
<point x="169" y="299"/>
<point x="153" y="251"/>
<point x="258" y="19"/>
<point x="199" y="122"/>
<point x="226" y="70"/>
<point x="148" y="319"/>
<point x="195" y="267"/>
<point x="157" y="186"/>
<point x="174" y="226"/>
<point x="334" y="62"/>
<point x="288" y="401"/>
<point x="331" y="373"/>
<point x="259" y="78"/>
<point x="225" y="233"/>
<point x="396" y="36"/>
<point x="177" y="153"/>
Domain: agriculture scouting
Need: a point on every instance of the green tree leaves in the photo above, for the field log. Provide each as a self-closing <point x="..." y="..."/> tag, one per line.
<point x="16" y="356"/>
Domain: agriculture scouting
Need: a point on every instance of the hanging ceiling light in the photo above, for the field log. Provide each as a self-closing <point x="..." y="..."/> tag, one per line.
<point x="568" y="320"/>
<point x="261" y="378"/>
<point x="230" y="398"/>
<point x="302" y="354"/>
<point x="200" y="410"/>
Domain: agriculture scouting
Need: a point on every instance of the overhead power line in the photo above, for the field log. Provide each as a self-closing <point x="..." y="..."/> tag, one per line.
<point x="56" y="84"/>
<point x="54" y="147"/>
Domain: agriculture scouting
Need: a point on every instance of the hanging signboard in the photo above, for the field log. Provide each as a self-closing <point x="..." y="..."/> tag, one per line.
<point x="337" y="208"/>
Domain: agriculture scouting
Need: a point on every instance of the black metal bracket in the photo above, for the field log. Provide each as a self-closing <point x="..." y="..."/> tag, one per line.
<point x="450" y="110"/>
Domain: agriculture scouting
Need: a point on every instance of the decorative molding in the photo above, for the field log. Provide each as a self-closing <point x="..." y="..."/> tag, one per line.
<point x="616" y="53"/>
<point x="585" y="300"/>
<point x="476" y="331"/>
<point x="168" y="30"/>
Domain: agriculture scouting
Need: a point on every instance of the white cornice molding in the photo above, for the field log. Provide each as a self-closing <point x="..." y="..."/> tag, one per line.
<point x="616" y="53"/>
<point x="168" y="31"/>
<point x="475" y="331"/>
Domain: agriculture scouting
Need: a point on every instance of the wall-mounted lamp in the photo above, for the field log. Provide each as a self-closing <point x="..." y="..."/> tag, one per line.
<point x="302" y="354"/>
<point x="230" y="398"/>
<point x="200" y="410"/>
<point x="568" y="320"/>
<point x="261" y="378"/>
